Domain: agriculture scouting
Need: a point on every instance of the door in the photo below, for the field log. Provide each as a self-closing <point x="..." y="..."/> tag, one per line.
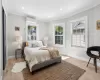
<point x="4" y="36"/>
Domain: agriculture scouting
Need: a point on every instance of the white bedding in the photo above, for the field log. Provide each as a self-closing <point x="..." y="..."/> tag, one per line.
<point x="34" y="56"/>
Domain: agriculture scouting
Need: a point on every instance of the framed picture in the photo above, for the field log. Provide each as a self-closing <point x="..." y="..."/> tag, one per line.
<point x="17" y="28"/>
<point x="98" y="25"/>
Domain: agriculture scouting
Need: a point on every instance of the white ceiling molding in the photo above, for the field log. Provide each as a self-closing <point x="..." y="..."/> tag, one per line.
<point x="30" y="19"/>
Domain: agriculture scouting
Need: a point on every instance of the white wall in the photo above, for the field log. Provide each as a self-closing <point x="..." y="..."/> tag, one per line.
<point x="20" y="21"/>
<point x="14" y="20"/>
<point x="96" y="32"/>
<point x="43" y="27"/>
<point x="93" y="34"/>
<point x="0" y="40"/>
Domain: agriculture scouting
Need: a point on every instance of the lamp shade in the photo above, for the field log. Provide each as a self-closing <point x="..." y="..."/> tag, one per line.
<point x="17" y="33"/>
<point x="19" y="38"/>
<point x="46" y="41"/>
<point x="19" y="41"/>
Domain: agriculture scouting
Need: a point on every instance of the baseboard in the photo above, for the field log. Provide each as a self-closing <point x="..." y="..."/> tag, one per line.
<point x="84" y="59"/>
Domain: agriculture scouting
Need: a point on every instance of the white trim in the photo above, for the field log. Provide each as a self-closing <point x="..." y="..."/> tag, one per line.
<point x="37" y="30"/>
<point x="79" y="19"/>
<point x="63" y="25"/>
<point x="85" y="18"/>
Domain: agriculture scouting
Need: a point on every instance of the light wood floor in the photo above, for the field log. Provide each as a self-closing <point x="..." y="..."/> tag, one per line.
<point x="88" y="75"/>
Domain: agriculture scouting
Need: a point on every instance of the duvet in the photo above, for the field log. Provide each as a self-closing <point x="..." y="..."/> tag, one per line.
<point x="37" y="55"/>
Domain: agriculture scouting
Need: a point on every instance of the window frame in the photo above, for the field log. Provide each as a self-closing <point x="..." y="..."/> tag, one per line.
<point x="35" y="24"/>
<point x="63" y="25"/>
<point x="85" y="18"/>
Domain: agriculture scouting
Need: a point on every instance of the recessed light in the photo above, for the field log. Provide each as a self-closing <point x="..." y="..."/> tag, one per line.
<point x="61" y="9"/>
<point x="22" y="7"/>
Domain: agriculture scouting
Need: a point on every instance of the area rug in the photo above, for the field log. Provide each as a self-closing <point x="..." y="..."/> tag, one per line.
<point x="60" y="71"/>
<point x="64" y="57"/>
<point x="18" y="67"/>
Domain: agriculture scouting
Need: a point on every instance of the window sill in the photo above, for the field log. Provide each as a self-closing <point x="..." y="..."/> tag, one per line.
<point x="58" y="45"/>
<point x="78" y="46"/>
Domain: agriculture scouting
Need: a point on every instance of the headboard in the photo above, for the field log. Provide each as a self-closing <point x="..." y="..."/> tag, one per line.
<point x="23" y="46"/>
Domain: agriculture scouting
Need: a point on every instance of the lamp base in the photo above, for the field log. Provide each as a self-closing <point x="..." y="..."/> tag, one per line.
<point x="19" y="47"/>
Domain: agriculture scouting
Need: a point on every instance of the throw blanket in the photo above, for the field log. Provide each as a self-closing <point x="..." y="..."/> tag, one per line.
<point x="52" y="51"/>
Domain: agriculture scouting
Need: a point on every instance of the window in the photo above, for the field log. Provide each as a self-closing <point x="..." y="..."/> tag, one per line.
<point x="59" y="34"/>
<point x="79" y="33"/>
<point x="31" y="31"/>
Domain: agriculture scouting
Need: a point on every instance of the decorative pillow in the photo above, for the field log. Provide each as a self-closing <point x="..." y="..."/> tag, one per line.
<point x="27" y="44"/>
<point x="34" y="44"/>
<point x="39" y="43"/>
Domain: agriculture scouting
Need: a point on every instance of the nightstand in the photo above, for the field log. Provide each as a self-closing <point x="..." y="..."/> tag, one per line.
<point x="18" y="51"/>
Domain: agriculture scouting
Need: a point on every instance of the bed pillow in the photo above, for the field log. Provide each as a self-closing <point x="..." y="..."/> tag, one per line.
<point x="34" y="44"/>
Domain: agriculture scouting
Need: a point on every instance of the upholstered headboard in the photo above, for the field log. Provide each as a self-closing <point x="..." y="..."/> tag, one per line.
<point x="23" y="46"/>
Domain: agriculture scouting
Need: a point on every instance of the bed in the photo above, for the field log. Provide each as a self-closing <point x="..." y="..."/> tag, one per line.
<point x="40" y="57"/>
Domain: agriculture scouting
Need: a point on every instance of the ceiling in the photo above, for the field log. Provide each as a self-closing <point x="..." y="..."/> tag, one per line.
<point x="49" y="9"/>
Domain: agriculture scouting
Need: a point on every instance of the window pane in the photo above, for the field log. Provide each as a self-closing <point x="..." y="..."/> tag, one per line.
<point x="78" y="40"/>
<point x="78" y="31"/>
<point x="58" y="30"/>
<point x="83" y="40"/>
<point x="32" y="32"/>
<point x="82" y="31"/>
<point x="59" y="40"/>
<point x="74" y="37"/>
<point x="74" y="31"/>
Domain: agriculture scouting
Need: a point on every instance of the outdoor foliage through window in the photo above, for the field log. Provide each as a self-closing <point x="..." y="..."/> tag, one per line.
<point x="31" y="32"/>
<point x="59" y="35"/>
